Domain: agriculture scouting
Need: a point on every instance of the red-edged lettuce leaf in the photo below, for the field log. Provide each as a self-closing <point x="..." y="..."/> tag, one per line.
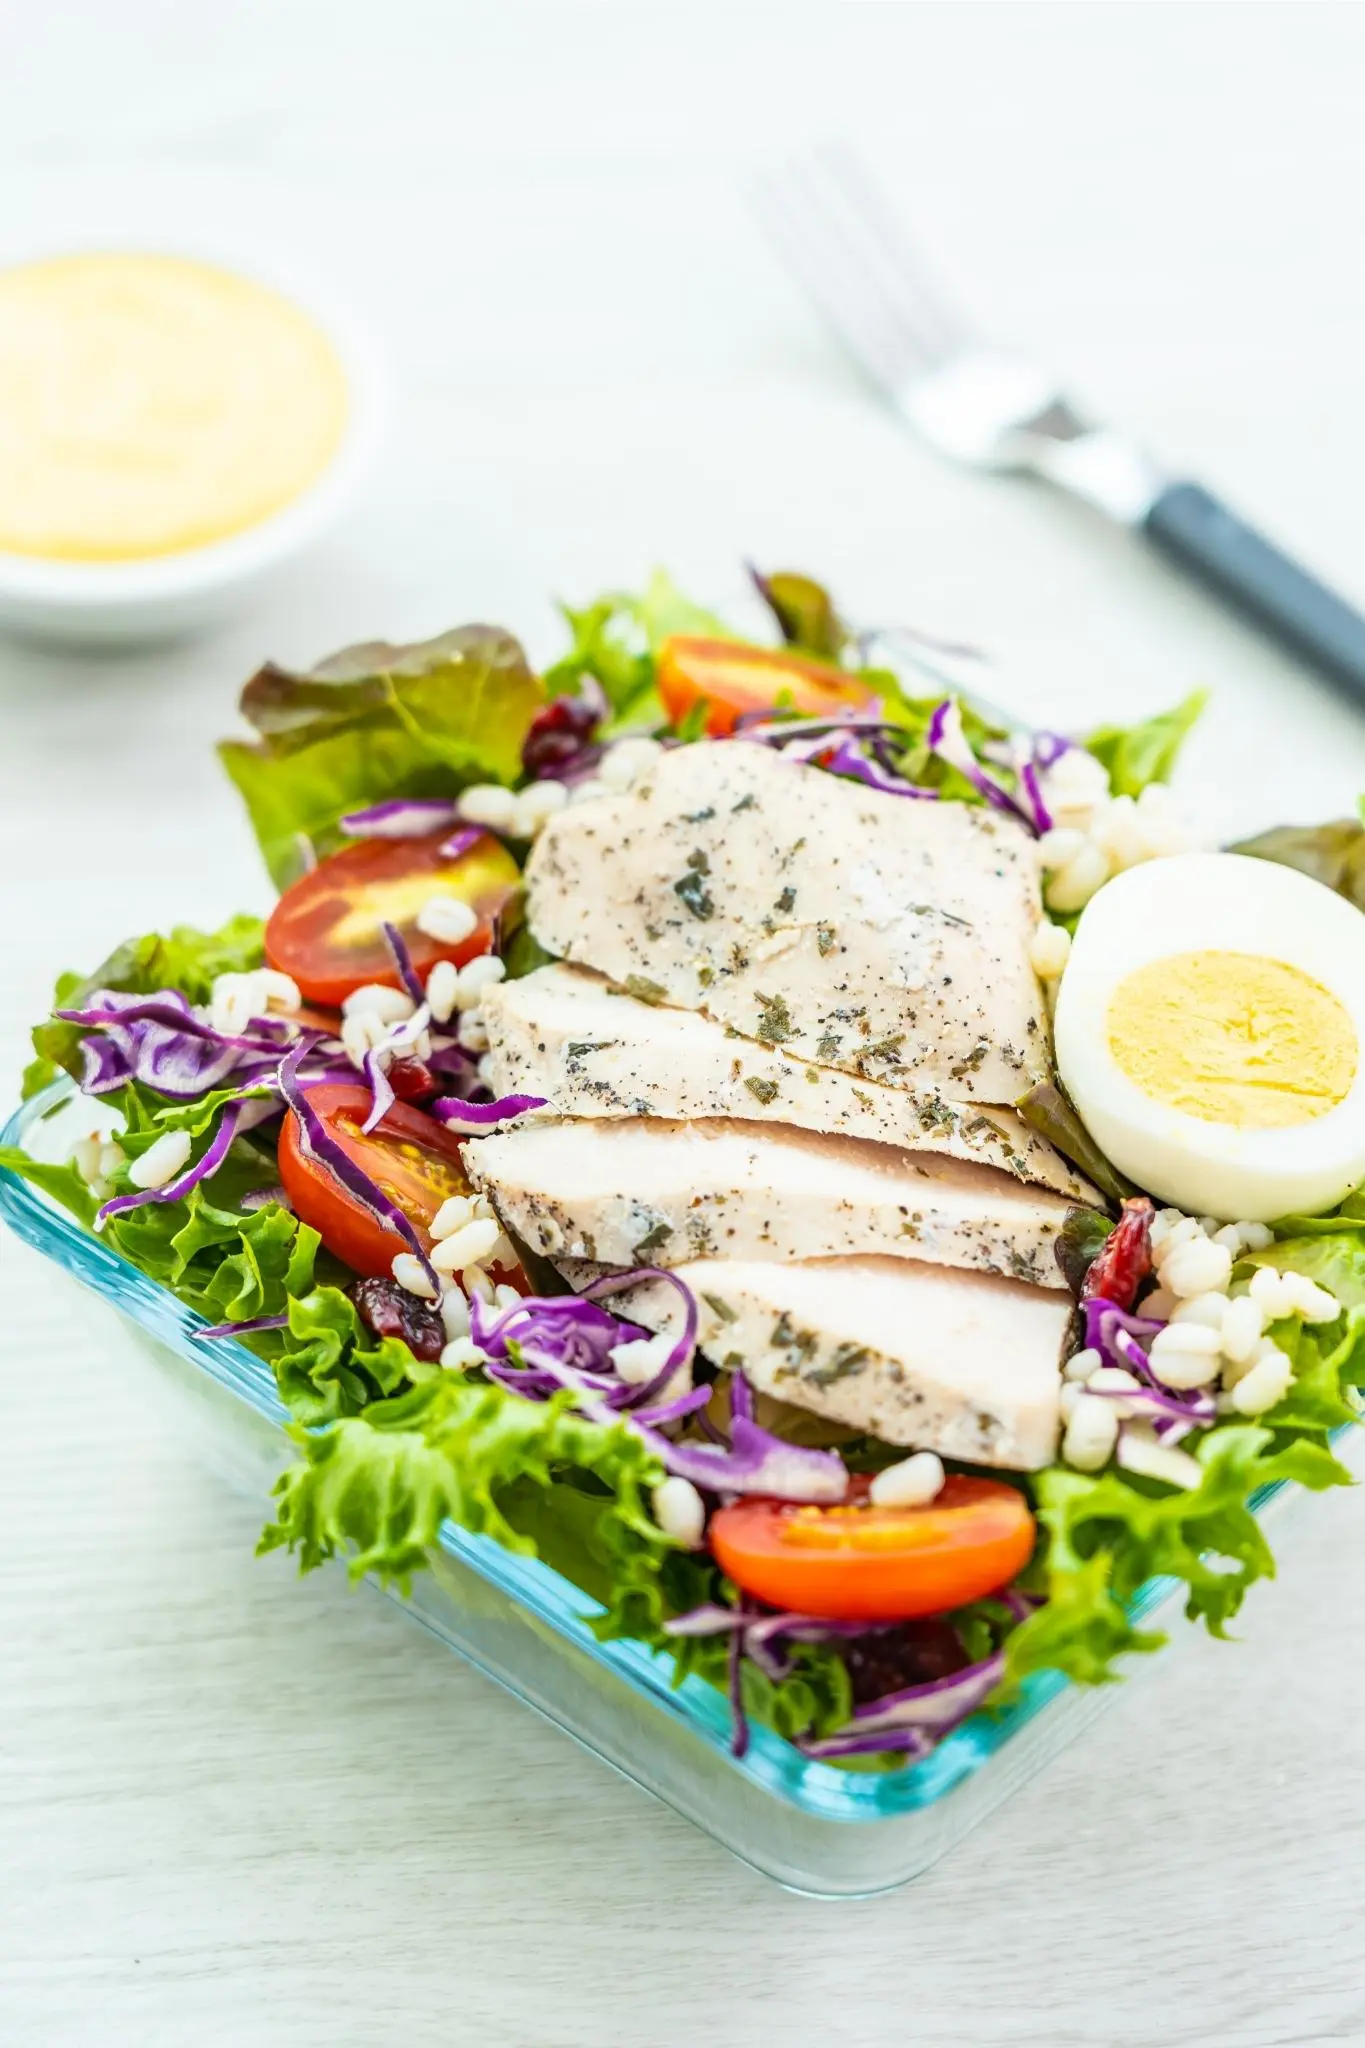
<point x="375" y="722"/>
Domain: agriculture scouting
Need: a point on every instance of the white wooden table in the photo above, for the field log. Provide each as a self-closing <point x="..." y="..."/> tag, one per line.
<point x="239" y="1809"/>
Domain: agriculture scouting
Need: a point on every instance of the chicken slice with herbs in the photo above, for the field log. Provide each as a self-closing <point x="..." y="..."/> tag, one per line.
<point x="593" y="1051"/>
<point x="876" y="934"/>
<point x="964" y="1364"/>
<point x="646" y="1191"/>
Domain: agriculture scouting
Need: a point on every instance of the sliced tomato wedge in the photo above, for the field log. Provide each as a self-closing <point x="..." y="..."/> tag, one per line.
<point x="325" y="929"/>
<point x="856" y="1562"/>
<point x="412" y="1157"/>
<point x="730" y="679"/>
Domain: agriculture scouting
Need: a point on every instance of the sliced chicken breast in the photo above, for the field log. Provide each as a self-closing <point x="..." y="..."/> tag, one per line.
<point x="960" y="1363"/>
<point x="593" y="1051"/>
<point x="885" y="937"/>
<point x="649" y="1192"/>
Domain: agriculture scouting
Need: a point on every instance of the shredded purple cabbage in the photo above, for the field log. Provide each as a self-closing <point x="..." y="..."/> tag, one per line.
<point x="158" y="1041"/>
<point x="377" y="1080"/>
<point x="460" y="841"/>
<point x="854" y="758"/>
<point x="910" y="1720"/>
<point x="685" y="1344"/>
<point x="948" y="740"/>
<point x="400" y="817"/>
<point x="757" y="1462"/>
<point x="402" y="961"/>
<point x="1041" y="819"/>
<point x="762" y="1634"/>
<point x="316" y="1142"/>
<point x="474" y="1118"/>
<point x="858" y="745"/>
<point x="566" y="1341"/>
<point x="1048" y="748"/>
<point x="1105" y="1321"/>
<point x="243" y="1329"/>
<point x="934" y="1707"/>
<point x="912" y="1742"/>
<point x="1120" y="1338"/>
<point x="739" y="1724"/>
<point x="199" y="1170"/>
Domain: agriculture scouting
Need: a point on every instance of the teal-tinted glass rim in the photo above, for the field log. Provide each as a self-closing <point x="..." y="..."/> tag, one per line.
<point x="824" y="1791"/>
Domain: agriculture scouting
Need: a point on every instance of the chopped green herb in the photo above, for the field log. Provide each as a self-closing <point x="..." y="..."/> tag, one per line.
<point x="719" y="1307"/>
<point x="786" y="901"/>
<point x="844" y="1359"/>
<point x="746" y="803"/>
<point x="653" y="1241"/>
<point x="643" y="989"/>
<point x="698" y="862"/>
<point x="824" y="939"/>
<point x="775" y="1020"/>
<point x="694" y="893"/>
<point x="828" y="1048"/>
<point x="766" y="1091"/>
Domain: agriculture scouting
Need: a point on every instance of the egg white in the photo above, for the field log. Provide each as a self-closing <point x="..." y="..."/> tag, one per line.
<point x="1220" y="902"/>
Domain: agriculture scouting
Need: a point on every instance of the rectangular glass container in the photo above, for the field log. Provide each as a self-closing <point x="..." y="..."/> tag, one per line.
<point x="816" y="1827"/>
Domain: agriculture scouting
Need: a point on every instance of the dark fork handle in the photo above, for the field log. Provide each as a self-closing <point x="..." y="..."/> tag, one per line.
<point x="1191" y="526"/>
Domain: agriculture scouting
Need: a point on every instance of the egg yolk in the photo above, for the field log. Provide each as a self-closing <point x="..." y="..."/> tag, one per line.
<point x="1233" y="1038"/>
<point x="149" y="405"/>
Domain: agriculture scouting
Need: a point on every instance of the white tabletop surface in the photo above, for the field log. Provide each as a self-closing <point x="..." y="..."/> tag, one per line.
<point x="235" y="1808"/>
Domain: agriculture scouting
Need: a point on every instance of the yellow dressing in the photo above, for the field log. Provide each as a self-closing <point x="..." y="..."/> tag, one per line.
<point x="149" y="404"/>
<point x="1233" y="1038"/>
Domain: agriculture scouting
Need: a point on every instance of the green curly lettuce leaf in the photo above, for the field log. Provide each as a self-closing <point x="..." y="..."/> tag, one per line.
<point x="1332" y="1257"/>
<point x="1135" y="755"/>
<point x="616" y="640"/>
<point x="183" y="958"/>
<point x="1107" y="1535"/>
<point x="63" y="1183"/>
<point x="372" y="722"/>
<point x="377" y="1487"/>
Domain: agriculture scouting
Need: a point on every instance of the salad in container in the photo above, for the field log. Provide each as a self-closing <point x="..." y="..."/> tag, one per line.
<point x="857" y="1189"/>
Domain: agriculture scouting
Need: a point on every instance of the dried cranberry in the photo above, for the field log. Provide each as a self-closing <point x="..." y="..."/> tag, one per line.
<point x="390" y="1311"/>
<point x="1124" y="1259"/>
<point x="911" y="1653"/>
<point x="558" y="735"/>
<point x="412" y="1080"/>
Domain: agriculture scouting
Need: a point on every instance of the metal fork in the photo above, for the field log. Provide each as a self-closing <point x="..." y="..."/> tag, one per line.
<point x="997" y="411"/>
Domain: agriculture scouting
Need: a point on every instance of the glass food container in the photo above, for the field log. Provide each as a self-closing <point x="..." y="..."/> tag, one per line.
<point x="819" y="1828"/>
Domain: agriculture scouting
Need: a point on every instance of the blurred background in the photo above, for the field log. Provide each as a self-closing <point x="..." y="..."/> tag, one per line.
<point x="596" y="363"/>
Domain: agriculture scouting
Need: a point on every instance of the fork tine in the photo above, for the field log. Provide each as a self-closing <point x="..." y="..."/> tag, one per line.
<point x="858" y="265"/>
<point x="821" y="260"/>
<point x="889" y="243"/>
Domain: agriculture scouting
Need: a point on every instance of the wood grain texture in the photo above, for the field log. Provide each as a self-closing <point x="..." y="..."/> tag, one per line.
<point x="239" y="1809"/>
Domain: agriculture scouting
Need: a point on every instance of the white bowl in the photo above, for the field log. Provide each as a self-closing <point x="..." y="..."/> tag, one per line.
<point x="158" y="596"/>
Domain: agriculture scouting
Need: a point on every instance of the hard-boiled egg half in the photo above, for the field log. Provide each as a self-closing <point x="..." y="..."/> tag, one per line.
<point x="1210" y="1029"/>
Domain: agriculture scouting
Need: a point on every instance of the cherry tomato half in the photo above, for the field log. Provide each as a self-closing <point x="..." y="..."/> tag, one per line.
<point x="856" y="1562"/>
<point x="325" y="929"/>
<point x="412" y="1157"/>
<point x="730" y="678"/>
